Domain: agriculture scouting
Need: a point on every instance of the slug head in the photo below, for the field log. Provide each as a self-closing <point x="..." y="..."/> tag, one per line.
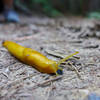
<point x="60" y="71"/>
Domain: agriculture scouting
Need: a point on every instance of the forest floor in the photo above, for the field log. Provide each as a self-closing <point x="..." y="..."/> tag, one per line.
<point x="55" y="38"/>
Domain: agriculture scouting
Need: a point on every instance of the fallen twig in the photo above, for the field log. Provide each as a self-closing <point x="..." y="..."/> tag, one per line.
<point x="47" y="81"/>
<point x="23" y="38"/>
<point x="59" y="55"/>
<point x="75" y="69"/>
<point x="91" y="46"/>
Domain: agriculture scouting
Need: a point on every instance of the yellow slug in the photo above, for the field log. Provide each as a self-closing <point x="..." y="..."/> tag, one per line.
<point x="34" y="58"/>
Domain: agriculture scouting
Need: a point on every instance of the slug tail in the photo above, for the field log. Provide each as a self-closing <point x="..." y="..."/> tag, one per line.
<point x="66" y="58"/>
<point x="3" y="43"/>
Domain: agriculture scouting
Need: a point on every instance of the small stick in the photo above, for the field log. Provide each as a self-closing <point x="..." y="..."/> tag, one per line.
<point x="4" y="74"/>
<point x="24" y="38"/>
<point x="50" y="80"/>
<point x="56" y="54"/>
<point x="47" y="81"/>
<point x="19" y="80"/>
<point x="76" y="57"/>
<point x="75" y="69"/>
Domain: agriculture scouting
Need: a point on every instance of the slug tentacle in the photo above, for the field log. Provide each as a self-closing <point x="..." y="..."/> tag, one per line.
<point x="60" y="71"/>
<point x="66" y="58"/>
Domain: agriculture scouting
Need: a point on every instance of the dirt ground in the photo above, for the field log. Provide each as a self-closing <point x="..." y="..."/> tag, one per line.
<point x="55" y="38"/>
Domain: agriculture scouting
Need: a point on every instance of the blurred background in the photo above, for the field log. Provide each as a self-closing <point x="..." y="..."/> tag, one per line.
<point x="53" y="8"/>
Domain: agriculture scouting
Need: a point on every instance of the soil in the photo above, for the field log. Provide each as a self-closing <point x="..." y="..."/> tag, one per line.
<point x="55" y="38"/>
